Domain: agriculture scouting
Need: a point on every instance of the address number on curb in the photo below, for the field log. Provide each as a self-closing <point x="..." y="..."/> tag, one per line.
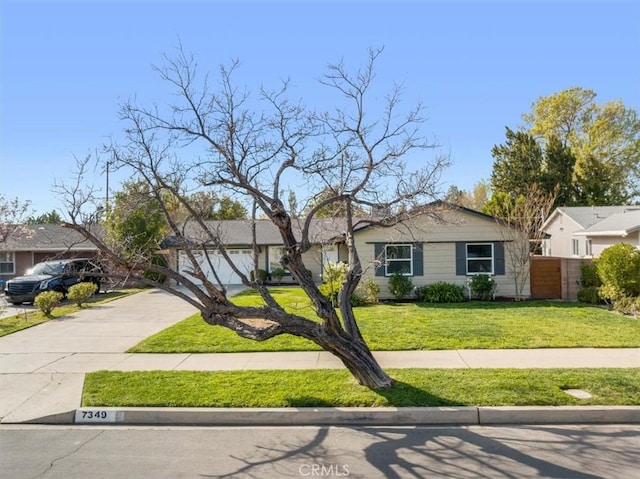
<point x="95" y="415"/>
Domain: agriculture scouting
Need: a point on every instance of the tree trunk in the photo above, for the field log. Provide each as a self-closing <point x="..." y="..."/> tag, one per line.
<point x="359" y="360"/>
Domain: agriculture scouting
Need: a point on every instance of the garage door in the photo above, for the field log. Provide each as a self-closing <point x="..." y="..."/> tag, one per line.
<point x="242" y="259"/>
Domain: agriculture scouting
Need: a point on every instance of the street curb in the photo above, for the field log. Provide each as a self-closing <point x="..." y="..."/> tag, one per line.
<point x="327" y="416"/>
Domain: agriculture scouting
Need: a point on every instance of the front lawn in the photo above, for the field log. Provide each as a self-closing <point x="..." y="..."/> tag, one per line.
<point x="337" y="388"/>
<point x="424" y="326"/>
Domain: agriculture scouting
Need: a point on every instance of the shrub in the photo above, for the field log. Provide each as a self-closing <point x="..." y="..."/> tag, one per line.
<point x="368" y="290"/>
<point x="262" y="275"/>
<point x="47" y="301"/>
<point x="81" y="292"/>
<point x="627" y="305"/>
<point x="357" y="300"/>
<point x="333" y="277"/>
<point x="619" y="270"/>
<point x="278" y="274"/>
<point x="590" y="295"/>
<point x="589" y="275"/>
<point x="400" y="286"/>
<point x="483" y="287"/>
<point x="442" y="292"/>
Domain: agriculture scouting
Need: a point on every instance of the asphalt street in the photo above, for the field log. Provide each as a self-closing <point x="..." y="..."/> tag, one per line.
<point x="296" y="452"/>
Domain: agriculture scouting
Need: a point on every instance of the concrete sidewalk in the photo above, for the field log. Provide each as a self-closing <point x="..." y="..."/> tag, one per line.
<point x="42" y="368"/>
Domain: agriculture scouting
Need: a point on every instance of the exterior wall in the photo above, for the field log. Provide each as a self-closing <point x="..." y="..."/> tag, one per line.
<point x="600" y="243"/>
<point x="562" y="229"/>
<point x="571" y="270"/>
<point x="439" y="249"/>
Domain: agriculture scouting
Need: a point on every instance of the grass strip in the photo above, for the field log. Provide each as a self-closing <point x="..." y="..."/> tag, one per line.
<point x="422" y="326"/>
<point x="28" y="319"/>
<point x="337" y="388"/>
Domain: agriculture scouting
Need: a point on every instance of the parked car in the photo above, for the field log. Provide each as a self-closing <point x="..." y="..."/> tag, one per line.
<point x="58" y="275"/>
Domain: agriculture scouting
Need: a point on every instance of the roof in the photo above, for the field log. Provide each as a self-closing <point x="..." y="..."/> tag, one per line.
<point x="240" y="232"/>
<point x="587" y="216"/>
<point x="618" y="224"/>
<point x="48" y="237"/>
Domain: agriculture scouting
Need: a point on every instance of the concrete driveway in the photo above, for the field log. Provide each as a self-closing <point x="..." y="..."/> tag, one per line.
<point x="29" y="390"/>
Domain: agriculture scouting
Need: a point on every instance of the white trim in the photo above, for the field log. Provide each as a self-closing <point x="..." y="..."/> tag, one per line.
<point x="484" y="258"/>
<point x="398" y="260"/>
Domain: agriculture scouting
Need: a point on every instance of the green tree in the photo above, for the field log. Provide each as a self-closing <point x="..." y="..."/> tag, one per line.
<point x="604" y="139"/>
<point x="210" y="206"/>
<point x="523" y="161"/>
<point x="53" y="217"/>
<point x="136" y="222"/>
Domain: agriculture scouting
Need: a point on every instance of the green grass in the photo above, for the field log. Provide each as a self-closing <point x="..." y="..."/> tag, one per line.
<point x="337" y="388"/>
<point x="423" y="326"/>
<point x="28" y="319"/>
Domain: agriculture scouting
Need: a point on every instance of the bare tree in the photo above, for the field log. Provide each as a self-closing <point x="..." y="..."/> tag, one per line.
<point x="13" y="214"/>
<point x="250" y="147"/>
<point x="523" y="218"/>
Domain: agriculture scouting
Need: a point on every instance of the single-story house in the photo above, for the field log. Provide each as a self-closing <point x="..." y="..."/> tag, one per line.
<point x="440" y="243"/>
<point x="585" y="231"/>
<point x="42" y="242"/>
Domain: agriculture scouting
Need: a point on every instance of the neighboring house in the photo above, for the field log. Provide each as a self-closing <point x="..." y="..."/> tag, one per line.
<point x="44" y="242"/>
<point x="585" y="231"/>
<point x="442" y="243"/>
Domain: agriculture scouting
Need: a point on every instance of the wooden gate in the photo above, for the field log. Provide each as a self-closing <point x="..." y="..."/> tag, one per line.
<point x="546" y="278"/>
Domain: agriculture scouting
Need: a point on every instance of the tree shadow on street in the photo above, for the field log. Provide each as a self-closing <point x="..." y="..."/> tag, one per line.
<point x="396" y="452"/>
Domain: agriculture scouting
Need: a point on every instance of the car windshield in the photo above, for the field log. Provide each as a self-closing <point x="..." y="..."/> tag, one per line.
<point x="46" y="268"/>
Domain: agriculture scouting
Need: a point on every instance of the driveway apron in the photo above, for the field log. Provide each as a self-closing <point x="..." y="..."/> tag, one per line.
<point x="30" y="389"/>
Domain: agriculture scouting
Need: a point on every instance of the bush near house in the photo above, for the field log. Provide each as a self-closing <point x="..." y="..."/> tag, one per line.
<point x="441" y="292"/>
<point x="278" y="274"/>
<point x="590" y="283"/>
<point x="619" y="271"/>
<point x="400" y="286"/>
<point x="483" y="287"/>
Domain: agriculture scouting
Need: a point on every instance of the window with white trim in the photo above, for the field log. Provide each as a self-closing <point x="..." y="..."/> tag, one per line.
<point x="399" y="259"/>
<point x="588" y="248"/>
<point x="480" y="258"/>
<point x="7" y="263"/>
<point x="576" y="247"/>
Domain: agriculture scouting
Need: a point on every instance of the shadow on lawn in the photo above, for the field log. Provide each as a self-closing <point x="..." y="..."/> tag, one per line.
<point x="400" y="395"/>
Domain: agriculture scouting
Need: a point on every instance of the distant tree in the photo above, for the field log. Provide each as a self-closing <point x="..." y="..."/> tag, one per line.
<point x="332" y="209"/>
<point x="474" y="199"/>
<point x="12" y="217"/>
<point x="454" y="195"/>
<point x="210" y="206"/>
<point x="136" y="222"/>
<point x="53" y="217"/>
<point x="603" y="138"/>
<point x="522" y="161"/>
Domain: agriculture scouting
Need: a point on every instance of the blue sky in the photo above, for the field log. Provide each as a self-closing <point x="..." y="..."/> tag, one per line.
<point x="476" y="66"/>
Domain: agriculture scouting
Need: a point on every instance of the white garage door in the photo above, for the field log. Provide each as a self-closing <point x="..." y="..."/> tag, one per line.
<point x="242" y="259"/>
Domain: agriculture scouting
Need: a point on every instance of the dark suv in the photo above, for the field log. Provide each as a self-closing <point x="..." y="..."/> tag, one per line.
<point x="58" y="275"/>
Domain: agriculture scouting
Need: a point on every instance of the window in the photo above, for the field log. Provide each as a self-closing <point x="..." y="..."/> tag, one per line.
<point x="275" y="253"/>
<point x="480" y="258"/>
<point x="6" y="263"/>
<point x="588" y="248"/>
<point x="576" y="247"/>
<point x="399" y="259"/>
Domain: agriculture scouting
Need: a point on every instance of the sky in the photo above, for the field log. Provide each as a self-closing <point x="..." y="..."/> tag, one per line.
<point x="477" y="66"/>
